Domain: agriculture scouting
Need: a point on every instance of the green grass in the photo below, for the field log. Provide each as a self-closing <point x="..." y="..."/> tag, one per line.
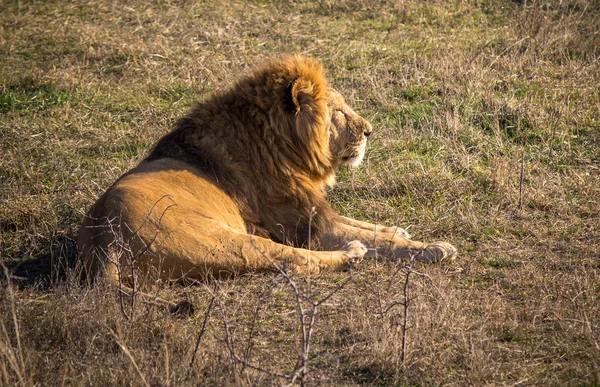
<point x="462" y="95"/>
<point x="30" y="95"/>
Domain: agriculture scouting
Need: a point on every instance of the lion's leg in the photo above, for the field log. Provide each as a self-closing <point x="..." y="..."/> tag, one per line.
<point x="236" y="252"/>
<point x="384" y="230"/>
<point x="265" y="254"/>
<point x="389" y="244"/>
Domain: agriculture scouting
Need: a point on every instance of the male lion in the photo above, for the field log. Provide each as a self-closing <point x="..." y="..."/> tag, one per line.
<point x="239" y="185"/>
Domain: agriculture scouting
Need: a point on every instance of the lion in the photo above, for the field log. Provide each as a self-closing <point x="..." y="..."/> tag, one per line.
<point x="240" y="185"/>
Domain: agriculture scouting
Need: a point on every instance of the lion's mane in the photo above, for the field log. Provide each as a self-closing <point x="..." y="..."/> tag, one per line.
<point x="265" y="142"/>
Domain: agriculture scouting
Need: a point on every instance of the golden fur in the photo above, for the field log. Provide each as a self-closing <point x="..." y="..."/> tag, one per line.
<point x="231" y="188"/>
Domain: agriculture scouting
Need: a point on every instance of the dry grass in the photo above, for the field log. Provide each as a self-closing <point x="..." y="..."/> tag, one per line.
<point x="463" y="95"/>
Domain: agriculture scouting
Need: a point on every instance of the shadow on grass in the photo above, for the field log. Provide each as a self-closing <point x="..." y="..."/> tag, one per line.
<point x="43" y="271"/>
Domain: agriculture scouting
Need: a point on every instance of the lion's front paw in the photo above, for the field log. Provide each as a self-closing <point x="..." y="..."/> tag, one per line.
<point x="355" y="250"/>
<point x="437" y="252"/>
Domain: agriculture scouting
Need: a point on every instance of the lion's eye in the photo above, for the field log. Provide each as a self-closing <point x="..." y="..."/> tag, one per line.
<point x="341" y="113"/>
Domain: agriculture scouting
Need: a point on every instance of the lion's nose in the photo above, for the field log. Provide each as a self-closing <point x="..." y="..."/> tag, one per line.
<point x="368" y="131"/>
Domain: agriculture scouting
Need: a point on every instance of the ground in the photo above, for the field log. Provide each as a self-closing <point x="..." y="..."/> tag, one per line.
<point x="487" y="135"/>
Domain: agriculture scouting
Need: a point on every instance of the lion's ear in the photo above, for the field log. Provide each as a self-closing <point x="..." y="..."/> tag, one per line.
<point x="299" y="94"/>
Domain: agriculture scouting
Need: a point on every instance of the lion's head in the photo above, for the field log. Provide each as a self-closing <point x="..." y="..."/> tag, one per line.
<point x="303" y="108"/>
<point x="348" y="131"/>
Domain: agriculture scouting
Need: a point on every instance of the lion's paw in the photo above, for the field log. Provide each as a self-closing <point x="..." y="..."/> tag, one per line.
<point x="355" y="250"/>
<point x="437" y="252"/>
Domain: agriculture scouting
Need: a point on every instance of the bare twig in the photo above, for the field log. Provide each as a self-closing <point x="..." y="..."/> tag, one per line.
<point x="406" y="302"/>
<point x="306" y="319"/>
<point x="520" y="205"/>
<point x="261" y="300"/>
<point x="202" y="330"/>
<point x="405" y="306"/>
<point x="306" y="314"/>
<point x="229" y="342"/>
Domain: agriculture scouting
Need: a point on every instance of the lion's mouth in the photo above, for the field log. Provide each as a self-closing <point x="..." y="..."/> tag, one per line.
<point x="353" y="161"/>
<point x="356" y="157"/>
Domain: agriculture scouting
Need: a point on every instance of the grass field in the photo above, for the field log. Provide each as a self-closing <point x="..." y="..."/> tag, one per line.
<point x="487" y="135"/>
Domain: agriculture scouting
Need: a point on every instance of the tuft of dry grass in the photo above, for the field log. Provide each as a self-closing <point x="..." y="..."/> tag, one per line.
<point x="487" y="135"/>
